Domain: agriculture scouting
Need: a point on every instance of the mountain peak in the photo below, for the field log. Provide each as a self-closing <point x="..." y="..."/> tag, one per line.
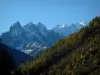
<point x="42" y="28"/>
<point x="60" y="26"/>
<point x="16" y="26"/>
<point x="16" y="29"/>
<point x="83" y="23"/>
<point x="39" y="24"/>
<point x="17" y="23"/>
<point x="63" y="25"/>
<point x="30" y="27"/>
<point x="30" y="23"/>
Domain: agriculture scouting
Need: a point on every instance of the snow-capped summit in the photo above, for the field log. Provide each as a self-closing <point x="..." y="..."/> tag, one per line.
<point x="59" y="26"/>
<point x="82" y="23"/>
<point x="68" y="29"/>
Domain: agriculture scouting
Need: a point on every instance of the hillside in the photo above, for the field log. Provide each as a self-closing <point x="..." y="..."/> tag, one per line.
<point x="5" y="59"/>
<point x="11" y="58"/>
<point x="17" y="56"/>
<point x="78" y="54"/>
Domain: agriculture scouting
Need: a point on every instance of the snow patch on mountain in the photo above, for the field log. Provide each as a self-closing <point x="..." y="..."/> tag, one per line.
<point x="66" y="30"/>
<point x="82" y="23"/>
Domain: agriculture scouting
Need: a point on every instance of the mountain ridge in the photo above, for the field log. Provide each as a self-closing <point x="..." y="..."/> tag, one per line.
<point x="20" y="36"/>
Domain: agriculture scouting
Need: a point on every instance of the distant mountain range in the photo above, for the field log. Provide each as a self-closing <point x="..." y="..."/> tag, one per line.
<point x="31" y="38"/>
<point x="34" y="38"/>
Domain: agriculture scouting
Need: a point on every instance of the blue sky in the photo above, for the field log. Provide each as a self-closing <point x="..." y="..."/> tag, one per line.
<point x="49" y="12"/>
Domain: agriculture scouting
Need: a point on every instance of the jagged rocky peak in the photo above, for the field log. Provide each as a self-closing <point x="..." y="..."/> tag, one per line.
<point x="73" y="25"/>
<point x="73" y="28"/>
<point x="42" y="28"/>
<point x="30" y="23"/>
<point x="15" y="26"/>
<point x="40" y="25"/>
<point x="16" y="29"/>
<point x="30" y="27"/>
